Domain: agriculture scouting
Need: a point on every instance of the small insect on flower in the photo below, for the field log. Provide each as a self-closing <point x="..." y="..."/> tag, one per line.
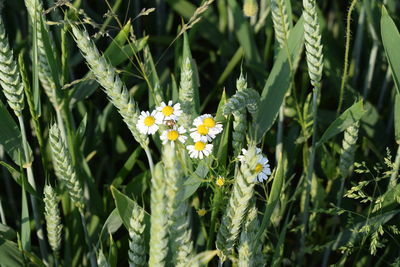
<point x="148" y="123"/>
<point x="220" y="181"/>
<point x="206" y="128"/>
<point x="201" y="212"/>
<point x="200" y="149"/>
<point x="168" y="112"/>
<point x="173" y="135"/>
<point x="262" y="168"/>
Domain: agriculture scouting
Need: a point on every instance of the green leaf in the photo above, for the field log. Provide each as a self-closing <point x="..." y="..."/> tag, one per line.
<point x="397" y="119"/>
<point x="391" y="41"/>
<point x="195" y="76"/>
<point x="273" y="196"/>
<point x="20" y="179"/>
<point x="194" y="180"/>
<point x="127" y="168"/>
<point x="111" y="225"/>
<point x="203" y="258"/>
<point x="10" y="254"/>
<point x="10" y="137"/>
<point x="347" y="118"/>
<point x="80" y="132"/>
<point x="278" y="83"/>
<point x="113" y="253"/>
<point x="125" y="205"/>
<point x="7" y="232"/>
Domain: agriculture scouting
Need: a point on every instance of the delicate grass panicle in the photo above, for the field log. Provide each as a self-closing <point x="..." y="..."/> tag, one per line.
<point x="312" y="37"/>
<point x="159" y="219"/>
<point x="10" y="79"/>
<point x="35" y="11"/>
<point x="179" y="223"/>
<point x="248" y="98"/>
<point x="137" y="249"/>
<point x="239" y="120"/>
<point x="186" y="93"/>
<point x="243" y="190"/>
<point x="53" y="219"/>
<point x="348" y="149"/>
<point x="63" y="167"/>
<point x="249" y="249"/>
<point x="281" y="21"/>
<point x="108" y="78"/>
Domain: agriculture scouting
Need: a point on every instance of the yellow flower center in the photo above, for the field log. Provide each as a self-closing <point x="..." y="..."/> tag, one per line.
<point x="199" y="146"/>
<point x="202" y="129"/>
<point x="148" y="121"/>
<point x="167" y="110"/>
<point x="259" y="168"/>
<point x="201" y="212"/>
<point x="172" y="135"/>
<point x="209" y="122"/>
<point x="220" y="181"/>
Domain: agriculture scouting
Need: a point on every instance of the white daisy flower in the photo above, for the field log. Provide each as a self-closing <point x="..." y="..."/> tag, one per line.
<point x="147" y="122"/>
<point x="262" y="168"/>
<point x="206" y="128"/>
<point x="200" y="149"/>
<point x="173" y="135"/>
<point x="169" y="112"/>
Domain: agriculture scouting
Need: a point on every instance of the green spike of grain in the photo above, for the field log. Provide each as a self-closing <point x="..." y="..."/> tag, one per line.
<point x="137" y="249"/>
<point x="312" y="37"/>
<point x="107" y="77"/>
<point x="53" y="219"/>
<point x="35" y="11"/>
<point x="348" y="149"/>
<point x="239" y="120"/>
<point x="63" y="167"/>
<point x="178" y="209"/>
<point x="247" y="97"/>
<point x="248" y="249"/>
<point x="10" y="79"/>
<point x="158" y="220"/>
<point x="242" y="192"/>
<point x="281" y="21"/>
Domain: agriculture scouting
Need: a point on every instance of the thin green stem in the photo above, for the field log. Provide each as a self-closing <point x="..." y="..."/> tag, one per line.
<point x="393" y="177"/>
<point x="2" y="215"/>
<point x="31" y="181"/>
<point x="310" y="171"/>
<point x="92" y="255"/>
<point x="150" y="160"/>
<point x="214" y="215"/>
<point x="346" y="56"/>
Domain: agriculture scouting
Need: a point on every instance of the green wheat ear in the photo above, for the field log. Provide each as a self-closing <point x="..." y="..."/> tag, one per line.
<point x="107" y="77"/>
<point x="137" y="249"/>
<point x="35" y="11"/>
<point x="348" y="150"/>
<point x="177" y="209"/>
<point x="158" y="220"/>
<point x="312" y="37"/>
<point x="53" y="219"/>
<point x="280" y="20"/>
<point x="247" y="97"/>
<point x="63" y="167"/>
<point x="239" y="120"/>
<point x="242" y="192"/>
<point x="249" y="249"/>
<point x="10" y="79"/>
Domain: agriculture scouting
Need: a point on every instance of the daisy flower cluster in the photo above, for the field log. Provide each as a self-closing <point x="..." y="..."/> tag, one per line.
<point x="262" y="168"/>
<point x="166" y="119"/>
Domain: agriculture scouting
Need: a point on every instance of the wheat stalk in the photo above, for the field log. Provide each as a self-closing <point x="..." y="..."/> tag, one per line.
<point x="53" y="219"/>
<point x="137" y="250"/>
<point x="106" y="75"/>
<point x="159" y="219"/>
<point x="243" y="190"/>
<point x="63" y="167"/>
<point x="10" y="79"/>
<point x="35" y="11"/>
<point x="179" y="225"/>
